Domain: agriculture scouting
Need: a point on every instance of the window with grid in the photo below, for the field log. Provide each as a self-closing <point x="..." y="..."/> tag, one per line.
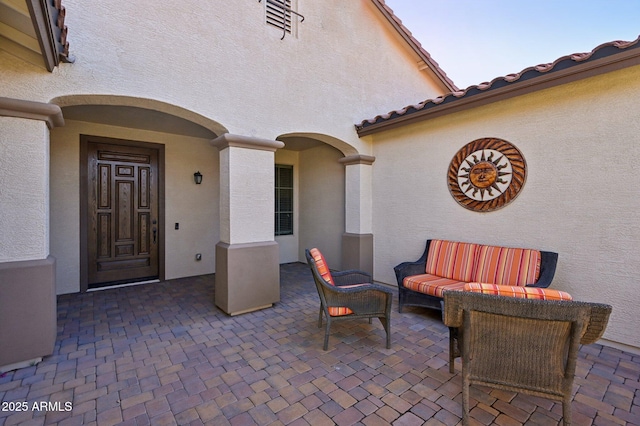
<point x="284" y="200"/>
<point x="279" y="14"/>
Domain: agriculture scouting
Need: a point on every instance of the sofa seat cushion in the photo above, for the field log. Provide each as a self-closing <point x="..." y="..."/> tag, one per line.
<point x="451" y="259"/>
<point x="518" y="291"/>
<point x="432" y="285"/>
<point x="506" y="266"/>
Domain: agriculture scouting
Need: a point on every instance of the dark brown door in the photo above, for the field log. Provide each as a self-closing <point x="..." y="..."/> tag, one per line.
<point x="122" y="214"/>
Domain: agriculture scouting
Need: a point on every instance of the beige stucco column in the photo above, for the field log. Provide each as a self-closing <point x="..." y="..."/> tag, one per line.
<point x="247" y="256"/>
<point x="27" y="271"/>
<point x="357" y="241"/>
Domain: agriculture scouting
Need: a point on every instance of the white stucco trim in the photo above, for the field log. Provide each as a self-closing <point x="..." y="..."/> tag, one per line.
<point x="110" y="100"/>
<point x="238" y="141"/>
<point x="49" y="113"/>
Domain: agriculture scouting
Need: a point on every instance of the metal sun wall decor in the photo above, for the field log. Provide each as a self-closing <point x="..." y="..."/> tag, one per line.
<point x="486" y="174"/>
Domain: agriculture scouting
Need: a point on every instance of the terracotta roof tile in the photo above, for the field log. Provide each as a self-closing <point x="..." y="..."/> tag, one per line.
<point x="61" y="40"/>
<point x="530" y="74"/>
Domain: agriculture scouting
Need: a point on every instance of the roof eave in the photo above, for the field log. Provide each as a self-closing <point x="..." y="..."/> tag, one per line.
<point x="48" y="22"/>
<point x="580" y="71"/>
<point x="446" y="82"/>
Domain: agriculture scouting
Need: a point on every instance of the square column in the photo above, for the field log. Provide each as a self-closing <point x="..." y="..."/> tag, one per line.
<point x="357" y="241"/>
<point x="27" y="272"/>
<point x="247" y="256"/>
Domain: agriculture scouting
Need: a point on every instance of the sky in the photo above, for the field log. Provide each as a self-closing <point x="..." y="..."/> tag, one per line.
<point x="475" y="41"/>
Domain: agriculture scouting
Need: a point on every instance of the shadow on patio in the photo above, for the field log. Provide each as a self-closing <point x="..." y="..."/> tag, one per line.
<point x="164" y="354"/>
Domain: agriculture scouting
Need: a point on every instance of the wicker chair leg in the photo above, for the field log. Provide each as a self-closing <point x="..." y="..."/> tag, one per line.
<point x="386" y="323"/>
<point x="320" y="318"/>
<point x="566" y="411"/>
<point x="452" y="349"/>
<point x="326" y="335"/>
<point x="387" y="328"/>
<point x="465" y="402"/>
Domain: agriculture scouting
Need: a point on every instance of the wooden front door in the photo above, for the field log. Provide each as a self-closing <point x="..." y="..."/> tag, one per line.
<point x="123" y="212"/>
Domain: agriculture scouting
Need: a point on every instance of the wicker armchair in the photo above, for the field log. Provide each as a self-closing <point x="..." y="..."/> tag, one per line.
<point x="348" y="295"/>
<point x="521" y="345"/>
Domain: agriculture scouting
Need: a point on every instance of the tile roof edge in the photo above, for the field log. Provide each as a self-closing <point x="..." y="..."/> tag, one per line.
<point x="393" y="19"/>
<point x="528" y="77"/>
<point x="48" y="20"/>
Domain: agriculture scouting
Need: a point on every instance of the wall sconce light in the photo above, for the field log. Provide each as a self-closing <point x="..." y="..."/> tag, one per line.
<point x="197" y="177"/>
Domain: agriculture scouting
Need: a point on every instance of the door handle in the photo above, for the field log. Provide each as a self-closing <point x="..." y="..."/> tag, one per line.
<point x="154" y="234"/>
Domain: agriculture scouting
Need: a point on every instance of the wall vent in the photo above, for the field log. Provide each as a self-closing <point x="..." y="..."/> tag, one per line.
<point x="279" y="14"/>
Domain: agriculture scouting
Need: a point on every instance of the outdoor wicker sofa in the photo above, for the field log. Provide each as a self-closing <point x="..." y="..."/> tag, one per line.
<point x="450" y="265"/>
<point x="520" y="345"/>
<point x="348" y="295"/>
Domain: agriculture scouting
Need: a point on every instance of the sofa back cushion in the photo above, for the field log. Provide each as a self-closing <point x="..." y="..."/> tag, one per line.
<point x="451" y="259"/>
<point x="506" y="266"/>
<point x="321" y="265"/>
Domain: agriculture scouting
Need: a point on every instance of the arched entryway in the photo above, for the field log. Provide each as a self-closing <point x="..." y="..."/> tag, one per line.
<point x="185" y="226"/>
<point x="332" y="190"/>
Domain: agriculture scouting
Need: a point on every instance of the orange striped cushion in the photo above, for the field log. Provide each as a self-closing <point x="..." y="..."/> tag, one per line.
<point x="321" y="265"/>
<point x="507" y="266"/>
<point x="432" y="285"/>
<point x="451" y="259"/>
<point x="338" y="312"/>
<point x="325" y="273"/>
<point x="518" y="291"/>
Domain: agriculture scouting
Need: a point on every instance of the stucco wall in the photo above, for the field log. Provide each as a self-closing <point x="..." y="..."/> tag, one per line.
<point x="322" y="201"/>
<point x="24" y="190"/>
<point x="249" y="217"/>
<point x="224" y="62"/>
<point x="194" y="207"/>
<point x="581" y="142"/>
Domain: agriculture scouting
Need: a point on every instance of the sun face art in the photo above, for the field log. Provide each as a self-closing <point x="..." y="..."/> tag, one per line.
<point x="486" y="174"/>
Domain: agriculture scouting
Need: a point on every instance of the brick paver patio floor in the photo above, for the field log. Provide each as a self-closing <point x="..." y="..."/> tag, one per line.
<point x="163" y="354"/>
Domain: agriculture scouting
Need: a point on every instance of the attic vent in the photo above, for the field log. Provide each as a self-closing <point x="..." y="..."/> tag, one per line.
<point x="278" y="14"/>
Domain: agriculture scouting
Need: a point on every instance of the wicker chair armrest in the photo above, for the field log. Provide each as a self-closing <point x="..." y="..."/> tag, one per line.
<point x="548" y="263"/>
<point x="358" y="288"/>
<point x="350" y="277"/>
<point x="360" y="299"/>
<point x="452" y="314"/>
<point x="406" y="269"/>
<point x="597" y="323"/>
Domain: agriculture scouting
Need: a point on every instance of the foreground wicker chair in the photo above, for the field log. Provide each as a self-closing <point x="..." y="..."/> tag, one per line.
<point x="348" y="295"/>
<point x="521" y="345"/>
